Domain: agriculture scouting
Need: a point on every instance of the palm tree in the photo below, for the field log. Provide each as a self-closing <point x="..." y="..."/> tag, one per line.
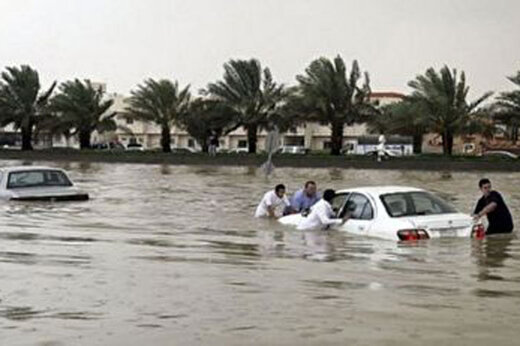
<point x="162" y="102"/>
<point x="443" y="98"/>
<point x="80" y="109"/>
<point x="252" y="94"/>
<point x="403" y="118"/>
<point x="508" y="108"/>
<point x="328" y="95"/>
<point x="21" y="102"/>
<point x="207" y="116"/>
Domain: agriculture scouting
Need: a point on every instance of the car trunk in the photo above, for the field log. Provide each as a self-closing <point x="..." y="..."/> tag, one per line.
<point x="49" y="194"/>
<point x="444" y="225"/>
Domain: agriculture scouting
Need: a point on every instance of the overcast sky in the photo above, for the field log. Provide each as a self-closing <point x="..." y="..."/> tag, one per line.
<point x="122" y="42"/>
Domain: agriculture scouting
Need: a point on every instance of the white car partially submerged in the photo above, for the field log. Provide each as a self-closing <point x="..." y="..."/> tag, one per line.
<point x="29" y="183"/>
<point x="398" y="213"/>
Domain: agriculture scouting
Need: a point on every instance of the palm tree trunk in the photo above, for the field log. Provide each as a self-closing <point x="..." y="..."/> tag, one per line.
<point x="165" y="139"/>
<point x="252" y="137"/>
<point x="204" y="145"/>
<point x="337" y="137"/>
<point x="417" y="143"/>
<point x="27" y="137"/>
<point x="84" y="139"/>
<point x="514" y="133"/>
<point x="447" y="142"/>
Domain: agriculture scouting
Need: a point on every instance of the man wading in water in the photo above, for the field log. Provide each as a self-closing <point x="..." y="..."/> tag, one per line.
<point x="273" y="203"/>
<point x="493" y="206"/>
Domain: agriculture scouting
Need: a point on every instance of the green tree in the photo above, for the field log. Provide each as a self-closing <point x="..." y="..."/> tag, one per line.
<point x="329" y="95"/>
<point x="162" y="102"/>
<point x="81" y="109"/>
<point x="21" y="102"/>
<point x="403" y="118"/>
<point x="207" y="116"/>
<point x="442" y="95"/>
<point x="252" y="94"/>
<point x="507" y="108"/>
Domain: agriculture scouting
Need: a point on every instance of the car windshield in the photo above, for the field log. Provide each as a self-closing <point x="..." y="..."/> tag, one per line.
<point x="37" y="178"/>
<point x="415" y="203"/>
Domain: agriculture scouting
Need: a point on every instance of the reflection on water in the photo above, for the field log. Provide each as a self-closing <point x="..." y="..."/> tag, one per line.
<point x="171" y="255"/>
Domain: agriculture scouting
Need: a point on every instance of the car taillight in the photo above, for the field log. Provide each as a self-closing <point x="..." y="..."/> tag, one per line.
<point x="412" y="234"/>
<point x="478" y="232"/>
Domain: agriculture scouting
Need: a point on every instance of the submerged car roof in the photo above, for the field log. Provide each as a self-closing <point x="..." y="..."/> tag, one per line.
<point x="29" y="168"/>
<point x="380" y="190"/>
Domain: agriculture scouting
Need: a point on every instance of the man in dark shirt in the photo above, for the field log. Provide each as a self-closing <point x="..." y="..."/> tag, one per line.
<point x="493" y="206"/>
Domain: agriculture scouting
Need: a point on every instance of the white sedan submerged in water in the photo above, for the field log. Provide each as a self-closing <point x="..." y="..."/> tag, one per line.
<point x="398" y="213"/>
<point x="29" y="183"/>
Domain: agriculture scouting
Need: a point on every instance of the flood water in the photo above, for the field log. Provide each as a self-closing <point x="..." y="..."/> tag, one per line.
<point x="170" y="255"/>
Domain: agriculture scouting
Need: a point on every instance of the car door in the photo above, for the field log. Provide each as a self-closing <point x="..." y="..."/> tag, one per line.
<point x="338" y="203"/>
<point x="362" y="214"/>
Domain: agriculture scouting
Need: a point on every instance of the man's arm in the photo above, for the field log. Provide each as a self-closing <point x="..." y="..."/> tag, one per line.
<point x="326" y="220"/>
<point x="478" y="208"/>
<point x="486" y="210"/>
<point x="270" y="212"/>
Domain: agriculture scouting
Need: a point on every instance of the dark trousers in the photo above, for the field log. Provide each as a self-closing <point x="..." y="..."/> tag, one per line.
<point x="497" y="229"/>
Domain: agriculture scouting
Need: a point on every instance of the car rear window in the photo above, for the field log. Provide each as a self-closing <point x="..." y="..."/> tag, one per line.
<point x="37" y="178"/>
<point x="415" y="203"/>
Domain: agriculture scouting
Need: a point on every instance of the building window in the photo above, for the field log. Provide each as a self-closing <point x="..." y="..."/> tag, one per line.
<point x="129" y="121"/>
<point x="468" y="148"/>
<point x="242" y="143"/>
<point x="294" y="141"/>
<point x="191" y="143"/>
<point x="172" y="141"/>
<point x="327" y="145"/>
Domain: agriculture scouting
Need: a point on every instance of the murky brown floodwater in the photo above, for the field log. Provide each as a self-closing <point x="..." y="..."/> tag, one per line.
<point x="172" y="256"/>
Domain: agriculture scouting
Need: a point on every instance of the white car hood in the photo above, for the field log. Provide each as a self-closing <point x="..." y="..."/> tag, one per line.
<point x="292" y="220"/>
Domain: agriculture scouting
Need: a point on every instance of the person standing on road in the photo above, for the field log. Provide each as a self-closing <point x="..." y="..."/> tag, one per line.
<point x="213" y="144"/>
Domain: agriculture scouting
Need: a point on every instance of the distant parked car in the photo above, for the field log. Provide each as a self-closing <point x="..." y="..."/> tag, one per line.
<point x="100" y="146"/>
<point x="184" y="150"/>
<point x="293" y="149"/>
<point x="134" y="147"/>
<point x="239" y="150"/>
<point x="500" y="153"/>
<point x="28" y="183"/>
<point x="116" y="146"/>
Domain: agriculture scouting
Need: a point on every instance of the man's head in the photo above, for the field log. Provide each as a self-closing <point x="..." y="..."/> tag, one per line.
<point x="280" y="190"/>
<point x="310" y="188"/>
<point x="485" y="186"/>
<point x="328" y="195"/>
